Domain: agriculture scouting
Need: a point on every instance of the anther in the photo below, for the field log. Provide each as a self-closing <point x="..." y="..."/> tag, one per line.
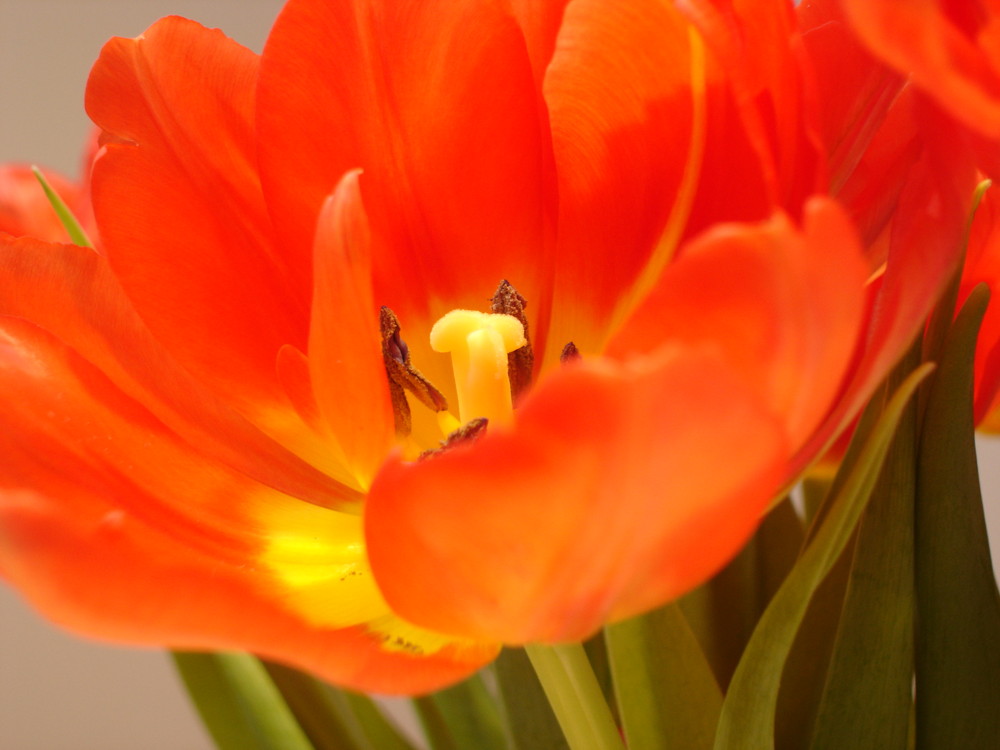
<point x="468" y="433"/>
<point x="570" y="353"/>
<point x="403" y="376"/>
<point x="520" y="362"/>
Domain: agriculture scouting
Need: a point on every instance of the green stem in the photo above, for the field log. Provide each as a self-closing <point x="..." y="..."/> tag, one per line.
<point x="239" y="703"/>
<point x="575" y="696"/>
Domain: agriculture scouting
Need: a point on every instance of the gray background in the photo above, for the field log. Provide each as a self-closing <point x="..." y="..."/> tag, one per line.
<point x="58" y="692"/>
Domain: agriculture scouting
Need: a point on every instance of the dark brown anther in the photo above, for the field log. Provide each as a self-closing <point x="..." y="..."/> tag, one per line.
<point x="570" y="353"/>
<point x="469" y="432"/>
<point x="403" y="376"/>
<point x="520" y="362"/>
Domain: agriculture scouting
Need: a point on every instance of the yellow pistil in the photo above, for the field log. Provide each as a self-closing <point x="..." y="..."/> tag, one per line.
<point x="479" y="344"/>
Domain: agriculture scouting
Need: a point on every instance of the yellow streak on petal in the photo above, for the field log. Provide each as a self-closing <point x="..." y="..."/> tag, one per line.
<point x="322" y="570"/>
<point x="318" y="560"/>
<point x="681" y="210"/>
<point x="400" y="636"/>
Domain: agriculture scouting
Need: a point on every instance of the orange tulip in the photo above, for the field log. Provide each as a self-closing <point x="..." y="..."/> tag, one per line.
<point x="949" y="48"/>
<point x="904" y="172"/>
<point x="212" y="428"/>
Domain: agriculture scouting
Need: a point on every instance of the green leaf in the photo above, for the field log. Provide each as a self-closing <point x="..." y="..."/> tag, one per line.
<point x="532" y="723"/>
<point x="958" y="607"/>
<point x="805" y="672"/>
<point x="776" y="547"/>
<point x="666" y="691"/>
<point x="374" y="730"/>
<point x="597" y="654"/>
<point x="748" y="713"/>
<point x="724" y="612"/>
<point x="867" y="698"/>
<point x="66" y="217"/>
<point x="806" y="665"/>
<point x="432" y="721"/>
<point x="943" y="315"/>
<point x="463" y="716"/>
<point x="238" y="702"/>
<point x="815" y="489"/>
<point x="834" y="487"/>
<point x="575" y="696"/>
<point x="326" y="715"/>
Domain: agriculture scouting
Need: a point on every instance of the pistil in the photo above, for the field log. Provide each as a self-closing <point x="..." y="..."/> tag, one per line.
<point x="479" y="344"/>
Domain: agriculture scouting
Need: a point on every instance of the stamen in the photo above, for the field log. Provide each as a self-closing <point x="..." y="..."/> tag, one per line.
<point x="569" y="353"/>
<point x="466" y="433"/>
<point x="402" y="375"/>
<point x="479" y="343"/>
<point x="520" y="362"/>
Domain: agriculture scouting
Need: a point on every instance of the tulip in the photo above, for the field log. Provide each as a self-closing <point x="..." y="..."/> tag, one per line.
<point x="437" y="326"/>
<point x="949" y="50"/>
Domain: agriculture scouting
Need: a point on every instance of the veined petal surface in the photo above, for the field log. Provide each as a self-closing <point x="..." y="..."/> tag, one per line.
<point x="783" y="306"/>
<point x="72" y="293"/>
<point x="345" y="352"/>
<point x="925" y="247"/>
<point x="540" y="21"/>
<point x="453" y="182"/>
<point x="758" y="46"/>
<point x="853" y="89"/>
<point x="177" y="550"/>
<point x="193" y="250"/>
<point x="949" y="47"/>
<point x="622" y="90"/>
<point x="604" y="500"/>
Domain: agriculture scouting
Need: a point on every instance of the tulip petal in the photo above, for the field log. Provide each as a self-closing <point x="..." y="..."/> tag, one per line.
<point x="179" y="205"/>
<point x="345" y="349"/>
<point x="756" y="43"/>
<point x="947" y="46"/>
<point x="435" y="102"/>
<point x="622" y="90"/>
<point x="736" y="182"/>
<point x="620" y="487"/>
<point x="855" y="90"/>
<point x="925" y="249"/>
<point x="71" y="292"/>
<point x="872" y="189"/>
<point x="59" y="404"/>
<point x="92" y="569"/>
<point x="539" y="21"/>
<point x="760" y="149"/>
<point x="783" y="306"/>
<point x="113" y="528"/>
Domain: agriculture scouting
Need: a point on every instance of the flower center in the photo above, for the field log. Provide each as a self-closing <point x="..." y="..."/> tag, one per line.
<point x="479" y="344"/>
